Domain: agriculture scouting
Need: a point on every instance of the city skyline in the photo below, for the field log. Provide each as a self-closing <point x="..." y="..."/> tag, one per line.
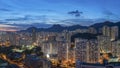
<point x="59" y="34"/>
<point x="67" y="48"/>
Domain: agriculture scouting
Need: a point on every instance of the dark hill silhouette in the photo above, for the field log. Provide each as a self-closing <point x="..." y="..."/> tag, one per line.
<point x="56" y="28"/>
<point x="59" y="28"/>
<point x="100" y="25"/>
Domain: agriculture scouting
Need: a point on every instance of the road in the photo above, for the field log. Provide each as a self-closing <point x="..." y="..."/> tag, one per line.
<point x="20" y="64"/>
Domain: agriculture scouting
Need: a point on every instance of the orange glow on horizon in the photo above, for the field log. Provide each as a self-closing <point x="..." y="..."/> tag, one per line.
<point x="8" y="29"/>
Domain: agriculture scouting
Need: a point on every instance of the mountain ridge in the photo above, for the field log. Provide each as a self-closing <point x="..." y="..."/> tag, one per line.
<point x="60" y="28"/>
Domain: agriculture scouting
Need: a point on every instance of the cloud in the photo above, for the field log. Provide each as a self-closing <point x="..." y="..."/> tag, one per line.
<point x="47" y="10"/>
<point x="5" y="27"/>
<point x="24" y="26"/>
<point x="29" y="19"/>
<point x="5" y="10"/>
<point x="32" y="20"/>
<point x="26" y="18"/>
<point x="110" y="14"/>
<point x="2" y="22"/>
<point x="85" y="22"/>
<point x="76" y="13"/>
<point x="17" y="19"/>
<point x="107" y="12"/>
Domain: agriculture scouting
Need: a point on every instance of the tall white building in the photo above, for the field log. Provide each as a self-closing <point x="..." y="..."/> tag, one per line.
<point x="106" y="30"/>
<point x="116" y="48"/>
<point x="50" y="48"/>
<point x="62" y="51"/>
<point x="111" y="32"/>
<point x="114" y="32"/>
<point x="104" y="44"/>
<point x="87" y="50"/>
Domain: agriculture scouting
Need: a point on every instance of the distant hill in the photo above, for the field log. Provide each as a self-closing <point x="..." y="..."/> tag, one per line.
<point x="97" y="26"/>
<point x="100" y="25"/>
<point x="56" y="28"/>
<point x="60" y="28"/>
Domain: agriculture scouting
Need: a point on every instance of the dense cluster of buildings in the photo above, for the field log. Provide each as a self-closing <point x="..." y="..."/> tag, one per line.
<point x="58" y="46"/>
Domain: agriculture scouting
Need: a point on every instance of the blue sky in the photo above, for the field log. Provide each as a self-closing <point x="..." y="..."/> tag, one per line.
<point x="30" y="12"/>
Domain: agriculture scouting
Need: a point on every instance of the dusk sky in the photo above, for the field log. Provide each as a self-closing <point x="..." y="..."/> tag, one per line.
<point x="30" y="12"/>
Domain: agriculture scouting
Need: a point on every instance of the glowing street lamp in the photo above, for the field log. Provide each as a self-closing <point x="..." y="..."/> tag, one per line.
<point x="48" y="56"/>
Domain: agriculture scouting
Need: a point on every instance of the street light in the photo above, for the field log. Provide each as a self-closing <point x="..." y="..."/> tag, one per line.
<point x="48" y="56"/>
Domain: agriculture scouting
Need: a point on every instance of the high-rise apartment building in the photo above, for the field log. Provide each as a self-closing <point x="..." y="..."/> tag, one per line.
<point x="106" y="30"/>
<point x="114" y="32"/>
<point x="111" y="32"/>
<point x="87" y="50"/>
